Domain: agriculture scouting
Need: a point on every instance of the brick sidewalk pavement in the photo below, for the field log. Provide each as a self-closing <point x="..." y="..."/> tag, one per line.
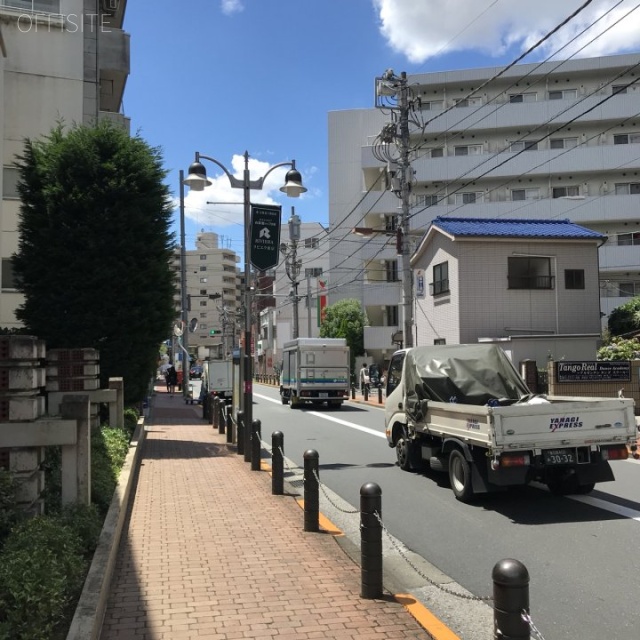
<point x="209" y="553"/>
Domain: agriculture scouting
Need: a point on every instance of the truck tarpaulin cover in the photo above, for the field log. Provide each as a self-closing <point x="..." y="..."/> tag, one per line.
<point x="466" y="374"/>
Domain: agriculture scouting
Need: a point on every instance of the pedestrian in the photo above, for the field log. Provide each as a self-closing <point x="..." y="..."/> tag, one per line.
<point x="364" y="378"/>
<point x="172" y="379"/>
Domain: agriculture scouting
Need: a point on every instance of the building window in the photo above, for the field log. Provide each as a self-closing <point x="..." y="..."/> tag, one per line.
<point x="391" y="270"/>
<point x="566" y="94"/>
<point x="203" y="281"/>
<point x="10" y="182"/>
<point x="313" y="272"/>
<point x="203" y="314"/>
<point x="626" y="138"/>
<point x="628" y="239"/>
<point x="203" y="303"/>
<point x="529" y="273"/>
<point x="574" y="278"/>
<point x="311" y="243"/>
<point x="436" y="153"/>
<point x="525" y="194"/>
<point x="523" y="145"/>
<point x="440" y="279"/>
<point x="432" y="105"/>
<point x="468" y="150"/>
<point x="627" y="188"/>
<point x="563" y="143"/>
<point x="203" y="292"/>
<point x="8" y="281"/>
<point x="203" y="268"/>
<point x="390" y="222"/>
<point x="426" y="200"/>
<point x="468" y="197"/>
<point x="516" y="98"/>
<point x="392" y="315"/>
<point x="203" y="256"/>
<point x="437" y="341"/>
<point x="619" y="88"/>
<point x="34" y="6"/>
<point x="475" y="101"/>
<point x="565" y="192"/>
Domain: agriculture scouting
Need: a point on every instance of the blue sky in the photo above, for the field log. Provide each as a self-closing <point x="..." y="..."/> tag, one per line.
<point x="227" y="76"/>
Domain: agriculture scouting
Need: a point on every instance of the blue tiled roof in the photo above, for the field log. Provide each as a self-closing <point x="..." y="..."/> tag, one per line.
<point x="507" y="228"/>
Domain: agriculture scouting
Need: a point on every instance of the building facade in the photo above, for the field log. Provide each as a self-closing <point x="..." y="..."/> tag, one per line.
<point x="556" y="140"/>
<point x="60" y="61"/>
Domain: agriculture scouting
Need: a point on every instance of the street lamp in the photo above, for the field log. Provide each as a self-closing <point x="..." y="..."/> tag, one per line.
<point x="292" y="265"/>
<point x="197" y="180"/>
<point x="183" y="295"/>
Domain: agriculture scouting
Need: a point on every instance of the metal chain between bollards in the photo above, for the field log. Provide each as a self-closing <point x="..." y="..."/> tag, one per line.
<point x="463" y="596"/>
<point x="536" y="632"/>
<point x="331" y="502"/>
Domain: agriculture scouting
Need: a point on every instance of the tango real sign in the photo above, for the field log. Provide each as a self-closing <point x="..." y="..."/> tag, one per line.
<point x="593" y="371"/>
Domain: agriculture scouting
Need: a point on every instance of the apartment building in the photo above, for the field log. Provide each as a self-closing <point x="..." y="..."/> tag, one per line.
<point x="212" y="285"/>
<point x="556" y="140"/>
<point x="60" y="60"/>
<point x="277" y="320"/>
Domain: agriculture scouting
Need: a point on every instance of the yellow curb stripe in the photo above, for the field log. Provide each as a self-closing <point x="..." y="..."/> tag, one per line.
<point x="325" y="524"/>
<point x="426" y="619"/>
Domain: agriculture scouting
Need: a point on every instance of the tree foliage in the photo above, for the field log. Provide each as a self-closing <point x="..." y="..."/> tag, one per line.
<point x="625" y="318"/>
<point x="346" y="319"/>
<point x="95" y="247"/>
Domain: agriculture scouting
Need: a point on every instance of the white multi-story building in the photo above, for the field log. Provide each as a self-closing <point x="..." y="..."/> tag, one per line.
<point x="212" y="287"/>
<point x="556" y="140"/>
<point x="60" y="61"/>
<point x="277" y="321"/>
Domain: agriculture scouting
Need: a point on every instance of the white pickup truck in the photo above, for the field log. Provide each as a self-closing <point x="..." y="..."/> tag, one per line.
<point x="465" y="410"/>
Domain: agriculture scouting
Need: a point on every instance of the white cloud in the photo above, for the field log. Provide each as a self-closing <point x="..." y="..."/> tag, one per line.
<point x="425" y="29"/>
<point x="232" y="6"/>
<point x="222" y="213"/>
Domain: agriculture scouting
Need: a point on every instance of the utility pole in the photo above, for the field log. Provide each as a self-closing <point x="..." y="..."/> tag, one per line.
<point x="392" y="93"/>
<point x="292" y="265"/>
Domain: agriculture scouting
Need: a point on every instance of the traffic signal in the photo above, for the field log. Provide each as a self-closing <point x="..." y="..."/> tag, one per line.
<point x="213" y="332"/>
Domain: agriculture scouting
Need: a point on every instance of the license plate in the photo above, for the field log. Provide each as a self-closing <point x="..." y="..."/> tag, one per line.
<point x="323" y="395"/>
<point x="559" y="456"/>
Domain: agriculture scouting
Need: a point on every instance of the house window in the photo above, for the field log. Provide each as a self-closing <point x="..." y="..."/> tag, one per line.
<point x="565" y="192"/>
<point x="619" y="88"/>
<point x="468" y="150"/>
<point x="574" y="278"/>
<point x="391" y="270"/>
<point x="468" y="197"/>
<point x="392" y="315"/>
<point x="627" y="188"/>
<point x="516" y="98"/>
<point x="436" y="153"/>
<point x="628" y="239"/>
<point x="566" y="94"/>
<point x="529" y="273"/>
<point x="437" y="341"/>
<point x="626" y="138"/>
<point x="426" y="200"/>
<point x="523" y="145"/>
<point x="563" y="143"/>
<point x="313" y="272"/>
<point x="8" y="280"/>
<point x="525" y="194"/>
<point x="10" y="182"/>
<point x="475" y="101"/>
<point x="440" y="279"/>
<point x="390" y="222"/>
<point x="311" y="243"/>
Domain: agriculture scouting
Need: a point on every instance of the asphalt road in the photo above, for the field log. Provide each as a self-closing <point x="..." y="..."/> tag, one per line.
<point x="580" y="552"/>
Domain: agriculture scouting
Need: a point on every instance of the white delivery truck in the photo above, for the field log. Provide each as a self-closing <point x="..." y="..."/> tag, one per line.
<point x="217" y="378"/>
<point x="315" y="370"/>
<point x="465" y="410"/>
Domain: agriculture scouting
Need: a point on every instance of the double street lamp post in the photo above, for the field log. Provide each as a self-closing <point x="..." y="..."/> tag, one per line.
<point x="197" y="180"/>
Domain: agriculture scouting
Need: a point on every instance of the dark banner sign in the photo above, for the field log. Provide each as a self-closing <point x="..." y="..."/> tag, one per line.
<point x="265" y="236"/>
<point x="593" y="371"/>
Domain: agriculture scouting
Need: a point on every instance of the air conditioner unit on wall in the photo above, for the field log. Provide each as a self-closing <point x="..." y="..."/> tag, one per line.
<point x="110" y="7"/>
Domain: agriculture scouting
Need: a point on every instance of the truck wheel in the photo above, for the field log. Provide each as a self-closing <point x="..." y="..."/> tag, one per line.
<point x="460" y="476"/>
<point x="403" y="453"/>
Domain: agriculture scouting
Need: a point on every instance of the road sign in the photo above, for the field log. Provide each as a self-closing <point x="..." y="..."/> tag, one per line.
<point x="265" y="236"/>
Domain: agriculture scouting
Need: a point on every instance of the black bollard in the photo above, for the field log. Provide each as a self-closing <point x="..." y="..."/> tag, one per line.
<point x="229" y="424"/>
<point x="277" y="463"/>
<point x="380" y="395"/>
<point x="366" y="393"/>
<point x="370" y="540"/>
<point x="215" y="413"/>
<point x="353" y="392"/>
<point x="240" y="432"/>
<point x="311" y="491"/>
<point x="221" y="419"/>
<point x="255" y="445"/>
<point x="510" y="600"/>
<point x="205" y="407"/>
